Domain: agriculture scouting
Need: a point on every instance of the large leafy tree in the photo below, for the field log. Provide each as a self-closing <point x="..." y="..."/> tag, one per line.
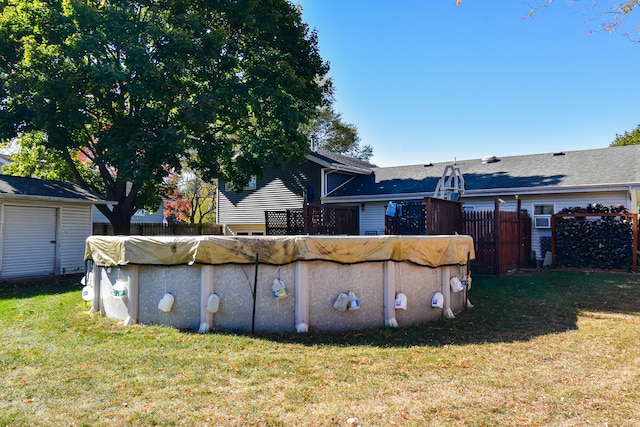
<point x="114" y="92"/>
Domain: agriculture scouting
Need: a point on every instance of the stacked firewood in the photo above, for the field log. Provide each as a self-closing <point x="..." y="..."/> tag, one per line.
<point x="594" y="241"/>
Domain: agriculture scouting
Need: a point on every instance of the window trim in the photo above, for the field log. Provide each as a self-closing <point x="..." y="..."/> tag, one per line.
<point x="545" y="218"/>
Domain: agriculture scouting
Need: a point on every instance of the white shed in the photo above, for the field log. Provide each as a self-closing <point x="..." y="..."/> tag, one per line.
<point x="43" y="227"/>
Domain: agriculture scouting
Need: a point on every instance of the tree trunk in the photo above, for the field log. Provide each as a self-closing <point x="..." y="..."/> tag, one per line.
<point x="121" y="222"/>
<point x="119" y="218"/>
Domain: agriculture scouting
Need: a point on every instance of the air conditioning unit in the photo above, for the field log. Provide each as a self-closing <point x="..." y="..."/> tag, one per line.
<point x="542" y="221"/>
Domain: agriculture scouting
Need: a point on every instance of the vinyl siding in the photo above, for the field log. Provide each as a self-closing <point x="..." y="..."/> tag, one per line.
<point x="28" y="228"/>
<point x="276" y="190"/>
<point x="75" y="227"/>
<point x="372" y="218"/>
<point x="28" y="241"/>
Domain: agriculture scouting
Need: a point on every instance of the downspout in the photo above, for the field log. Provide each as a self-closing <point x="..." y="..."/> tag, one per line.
<point x="633" y="200"/>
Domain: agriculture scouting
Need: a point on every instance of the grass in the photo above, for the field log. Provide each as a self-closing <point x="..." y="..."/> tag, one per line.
<point x="548" y="348"/>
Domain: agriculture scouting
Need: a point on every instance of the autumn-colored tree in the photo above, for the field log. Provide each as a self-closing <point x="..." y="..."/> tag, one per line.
<point x="190" y="199"/>
<point x="176" y="208"/>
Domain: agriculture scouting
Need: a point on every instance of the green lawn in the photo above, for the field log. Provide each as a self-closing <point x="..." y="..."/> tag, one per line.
<point x="549" y="348"/>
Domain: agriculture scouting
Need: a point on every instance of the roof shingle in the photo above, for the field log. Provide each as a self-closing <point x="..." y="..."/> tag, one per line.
<point x="40" y="188"/>
<point x="612" y="165"/>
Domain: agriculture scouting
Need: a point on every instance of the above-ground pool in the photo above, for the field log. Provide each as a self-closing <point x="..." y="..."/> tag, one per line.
<point x="299" y="282"/>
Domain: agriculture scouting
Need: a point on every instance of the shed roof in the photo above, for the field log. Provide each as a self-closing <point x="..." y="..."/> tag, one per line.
<point x="596" y="167"/>
<point x="41" y="189"/>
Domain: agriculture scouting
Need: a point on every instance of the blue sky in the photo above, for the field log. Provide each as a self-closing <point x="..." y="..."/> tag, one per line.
<point x="428" y="81"/>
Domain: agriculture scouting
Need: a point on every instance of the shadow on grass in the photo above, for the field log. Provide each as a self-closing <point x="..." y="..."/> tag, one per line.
<point x="516" y="308"/>
<point x="29" y="288"/>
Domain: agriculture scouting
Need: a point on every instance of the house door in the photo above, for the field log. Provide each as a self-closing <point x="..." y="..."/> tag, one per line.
<point x="28" y="241"/>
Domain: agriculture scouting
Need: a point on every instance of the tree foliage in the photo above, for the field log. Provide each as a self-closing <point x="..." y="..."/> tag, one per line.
<point x="628" y="138"/>
<point x="113" y="93"/>
<point x="190" y="199"/>
<point x="329" y="131"/>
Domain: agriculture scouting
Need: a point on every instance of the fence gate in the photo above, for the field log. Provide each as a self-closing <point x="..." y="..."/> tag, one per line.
<point x="502" y="240"/>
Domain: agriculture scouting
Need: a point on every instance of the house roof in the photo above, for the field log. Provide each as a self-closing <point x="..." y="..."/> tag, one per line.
<point x="40" y="189"/>
<point x="328" y="158"/>
<point x="597" y="167"/>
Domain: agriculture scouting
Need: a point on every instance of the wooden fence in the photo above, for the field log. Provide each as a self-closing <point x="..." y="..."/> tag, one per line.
<point x="313" y="219"/>
<point x="408" y="220"/>
<point x="443" y="216"/>
<point x="502" y="240"/>
<point x="158" y="229"/>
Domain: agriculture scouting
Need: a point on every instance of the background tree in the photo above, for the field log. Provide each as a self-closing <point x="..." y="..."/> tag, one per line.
<point x="177" y="208"/>
<point x="610" y="16"/>
<point x="114" y="93"/>
<point x="330" y="132"/>
<point x="190" y="199"/>
<point x="628" y="138"/>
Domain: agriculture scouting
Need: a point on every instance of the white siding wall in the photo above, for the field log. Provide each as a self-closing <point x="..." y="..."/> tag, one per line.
<point x="75" y="227"/>
<point x="28" y="241"/>
<point x="372" y="218"/>
<point x="28" y="228"/>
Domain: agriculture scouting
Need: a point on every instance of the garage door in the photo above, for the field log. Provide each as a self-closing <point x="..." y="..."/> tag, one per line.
<point x="28" y="241"/>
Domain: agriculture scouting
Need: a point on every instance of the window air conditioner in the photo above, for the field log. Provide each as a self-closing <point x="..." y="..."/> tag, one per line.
<point x="542" y="221"/>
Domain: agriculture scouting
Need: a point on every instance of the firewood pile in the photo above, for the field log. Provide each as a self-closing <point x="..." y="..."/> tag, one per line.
<point x="589" y="240"/>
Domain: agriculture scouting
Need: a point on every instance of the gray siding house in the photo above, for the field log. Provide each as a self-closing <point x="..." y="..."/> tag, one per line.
<point x="288" y="188"/>
<point x="43" y="227"/>
<point x="544" y="183"/>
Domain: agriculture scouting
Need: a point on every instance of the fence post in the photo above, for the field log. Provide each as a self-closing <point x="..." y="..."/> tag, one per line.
<point x="497" y="225"/>
<point x="634" y="260"/>
<point x="519" y="208"/>
<point x="306" y="218"/>
<point x="266" y="223"/>
<point x="428" y="208"/>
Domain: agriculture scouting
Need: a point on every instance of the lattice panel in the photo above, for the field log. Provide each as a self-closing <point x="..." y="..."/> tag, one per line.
<point x="276" y="223"/>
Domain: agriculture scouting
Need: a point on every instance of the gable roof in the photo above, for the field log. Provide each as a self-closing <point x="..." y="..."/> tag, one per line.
<point x="14" y="187"/>
<point x="566" y="171"/>
<point x="329" y="159"/>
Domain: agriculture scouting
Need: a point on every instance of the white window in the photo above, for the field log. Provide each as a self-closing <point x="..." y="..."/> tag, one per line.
<point x="469" y="208"/>
<point x="542" y="215"/>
